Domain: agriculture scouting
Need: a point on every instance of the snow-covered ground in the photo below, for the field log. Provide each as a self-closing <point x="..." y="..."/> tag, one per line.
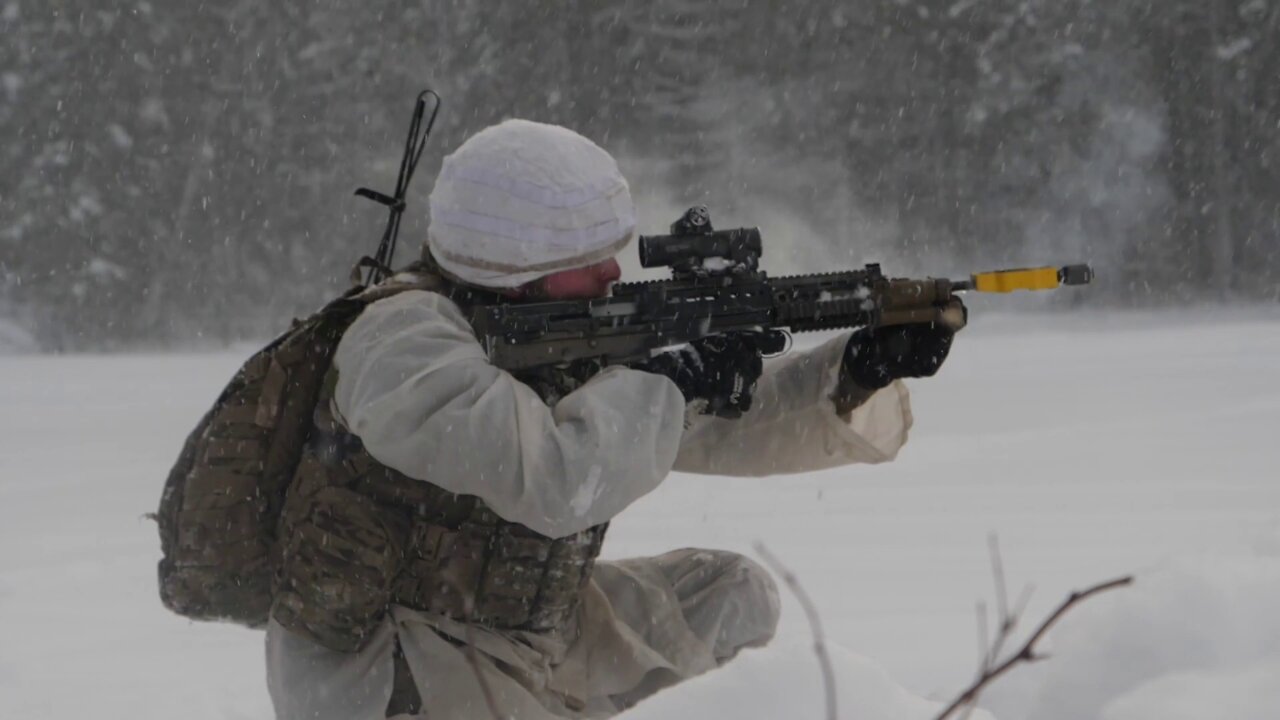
<point x="1093" y="445"/>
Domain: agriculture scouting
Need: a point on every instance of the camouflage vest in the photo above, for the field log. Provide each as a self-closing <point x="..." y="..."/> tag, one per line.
<point x="356" y="536"/>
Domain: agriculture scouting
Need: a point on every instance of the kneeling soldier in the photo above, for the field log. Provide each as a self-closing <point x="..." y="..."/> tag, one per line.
<point x="446" y="516"/>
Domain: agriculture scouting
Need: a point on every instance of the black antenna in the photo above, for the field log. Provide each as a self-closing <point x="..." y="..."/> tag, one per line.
<point x="379" y="265"/>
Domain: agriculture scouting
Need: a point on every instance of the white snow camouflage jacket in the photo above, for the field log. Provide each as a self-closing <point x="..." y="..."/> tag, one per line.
<point x="417" y="388"/>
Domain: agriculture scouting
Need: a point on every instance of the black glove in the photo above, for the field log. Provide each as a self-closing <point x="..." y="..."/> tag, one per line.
<point x="721" y="370"/>
<point x="874" y="358"/>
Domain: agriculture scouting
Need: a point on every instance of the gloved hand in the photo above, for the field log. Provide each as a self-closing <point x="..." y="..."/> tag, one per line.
<point x="720" y="370"/>
<point x="874" y="358"/>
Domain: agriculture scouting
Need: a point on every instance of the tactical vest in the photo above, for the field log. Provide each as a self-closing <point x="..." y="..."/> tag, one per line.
<point x="221" y="503"/>
<point x="356" y="536"/>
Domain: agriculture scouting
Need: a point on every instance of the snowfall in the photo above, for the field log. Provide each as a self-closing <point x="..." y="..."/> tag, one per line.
<point x="1091" y="446"/>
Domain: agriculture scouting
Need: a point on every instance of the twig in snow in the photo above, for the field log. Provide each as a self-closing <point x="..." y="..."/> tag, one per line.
<point x="815" y="624"/>
<point x="1027" y="653"/>
<point x="1008" y="621"/>
<point x="1002" y="593"/>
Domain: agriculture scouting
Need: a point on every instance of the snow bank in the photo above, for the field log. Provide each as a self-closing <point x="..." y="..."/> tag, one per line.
<point x="785" y="681"/>
<point x="1199" y="638"/>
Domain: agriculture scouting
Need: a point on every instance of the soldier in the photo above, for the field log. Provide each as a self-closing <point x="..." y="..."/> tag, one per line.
<point x="443" y="525"/>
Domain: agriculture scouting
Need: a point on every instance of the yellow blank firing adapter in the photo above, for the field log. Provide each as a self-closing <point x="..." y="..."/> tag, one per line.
<point x="1041" y="278"/>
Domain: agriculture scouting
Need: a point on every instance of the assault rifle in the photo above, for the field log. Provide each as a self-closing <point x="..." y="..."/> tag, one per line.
<point x="718" y="287"/>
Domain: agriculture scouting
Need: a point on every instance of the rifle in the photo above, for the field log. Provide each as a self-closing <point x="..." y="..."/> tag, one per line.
<point x="717" y="287"/>
<point x="379" y="266"/>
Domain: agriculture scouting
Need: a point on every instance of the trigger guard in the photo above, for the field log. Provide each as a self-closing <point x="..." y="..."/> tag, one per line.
<point x="787" y="344"/>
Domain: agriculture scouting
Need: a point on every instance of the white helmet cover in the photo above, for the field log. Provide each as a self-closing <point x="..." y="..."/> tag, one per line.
<point x="520" y="200"/>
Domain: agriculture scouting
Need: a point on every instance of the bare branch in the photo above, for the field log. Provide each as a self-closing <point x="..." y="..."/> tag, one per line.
<point x="1007" y="621"/>
<point x="984" y="650"/>
<point x="815" y="624"/>
<point x="1027" y="653"/>
<point x="997" y="575"/>
<point x="983" y="641"/>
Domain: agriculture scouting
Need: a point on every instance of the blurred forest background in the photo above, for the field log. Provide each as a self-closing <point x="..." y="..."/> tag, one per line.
<point x="173" y="171"/>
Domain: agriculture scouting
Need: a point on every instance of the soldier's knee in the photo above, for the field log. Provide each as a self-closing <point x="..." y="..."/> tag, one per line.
<point x="729" y="600"/>
<point x="760" y="593"/>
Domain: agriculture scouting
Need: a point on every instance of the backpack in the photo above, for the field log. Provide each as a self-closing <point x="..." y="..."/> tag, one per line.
<point x="221" y="504"/>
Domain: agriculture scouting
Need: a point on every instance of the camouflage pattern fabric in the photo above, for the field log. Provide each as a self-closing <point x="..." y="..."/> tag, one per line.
<point x="221" y="503"/>
<point x="358" y="536"/>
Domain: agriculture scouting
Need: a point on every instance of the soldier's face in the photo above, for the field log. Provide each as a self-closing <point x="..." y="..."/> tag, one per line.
<point x="581" y="283"/>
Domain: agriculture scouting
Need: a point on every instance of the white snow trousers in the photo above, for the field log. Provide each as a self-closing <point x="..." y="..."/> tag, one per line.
<point x="644" y="624"/>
